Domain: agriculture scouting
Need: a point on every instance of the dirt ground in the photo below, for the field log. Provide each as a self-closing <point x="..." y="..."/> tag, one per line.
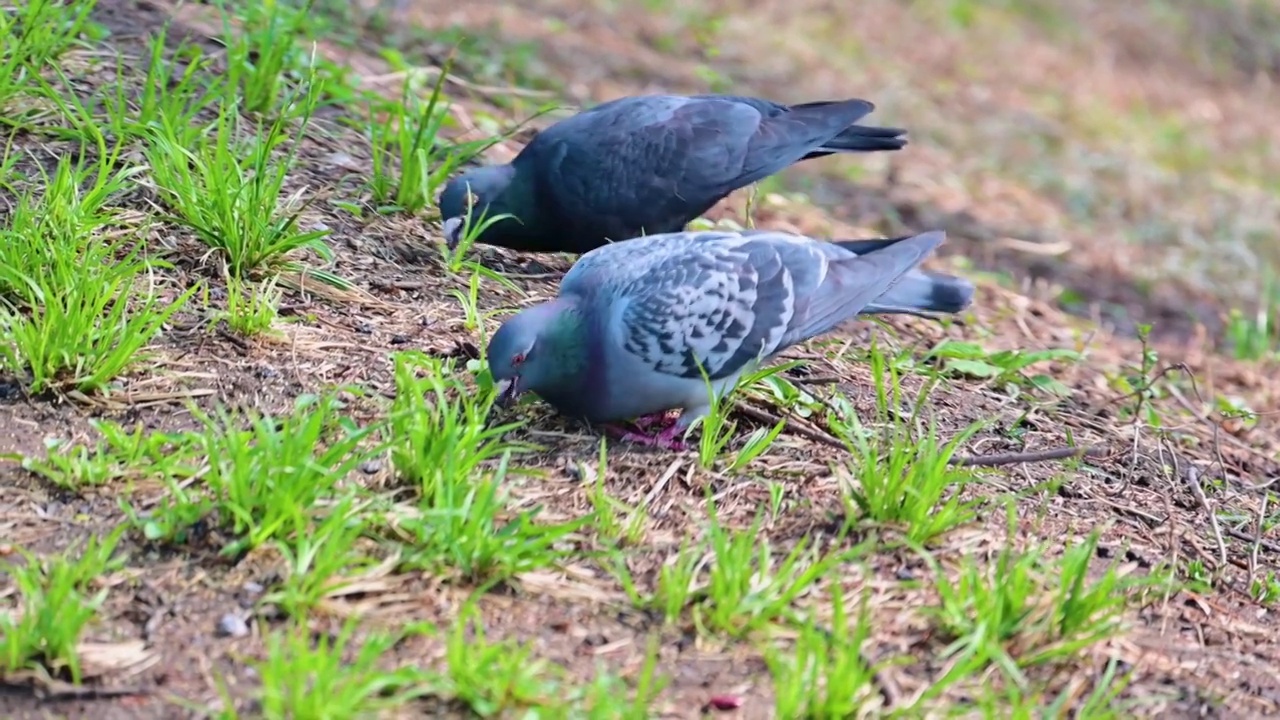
<point x="1152" y="493"/>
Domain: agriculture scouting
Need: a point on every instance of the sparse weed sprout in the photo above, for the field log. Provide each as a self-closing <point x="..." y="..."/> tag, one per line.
<point x="52" y="606"/>
<point x="491" y="677"/>
<point x="324" y="562"/>
<point x="612" y="519"/>
<point x="263" y="52"/>
<point x="411" y="160"/>
<point x="735" y="582"/>
<point x="252" y="308"/>
<point x="497" y="679"/>
<point x="1024" y="610"/>
<point x="473" y="316"/>
<point x="262" y="476"/>
<point x="438" y="426"/>
<point x="441" y="443"/>
<point x="824" y="674"/>
<point x="1003" y="366"/>
<point x="267" y="479"/>
<point x="176" y="88"/>
<point x="455" y="259"/>
<point x="1257" y="335"/>
<point x="133" y="456"/>
<point x="903" y="477"/>
<point x="333" y="677"/>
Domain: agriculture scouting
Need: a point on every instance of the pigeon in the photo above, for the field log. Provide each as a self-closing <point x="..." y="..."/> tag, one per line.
<point x="636" y="323"/>
<point x="646" y="165"/>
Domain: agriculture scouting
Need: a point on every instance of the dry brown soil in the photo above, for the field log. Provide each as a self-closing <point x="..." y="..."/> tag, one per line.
<point x="1193" y="655"/>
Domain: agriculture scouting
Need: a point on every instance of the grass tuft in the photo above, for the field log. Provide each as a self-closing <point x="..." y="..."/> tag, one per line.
<point x="229" y="189"/>
<point x="411" y="159"/>
<point x="53" y="605"/>
<point x="78" y="302"/>
<point x="35" y="34"/>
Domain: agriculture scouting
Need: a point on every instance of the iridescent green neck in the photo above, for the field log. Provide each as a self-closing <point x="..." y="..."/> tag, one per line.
<point x="564" y="342"/>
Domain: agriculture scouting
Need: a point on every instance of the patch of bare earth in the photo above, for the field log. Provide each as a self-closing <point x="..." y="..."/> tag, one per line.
<point x="1155" y="494"/>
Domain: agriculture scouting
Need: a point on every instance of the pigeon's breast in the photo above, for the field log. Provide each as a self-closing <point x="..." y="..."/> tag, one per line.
<point x="576" y="401"/>
<point x="635" y="388"/>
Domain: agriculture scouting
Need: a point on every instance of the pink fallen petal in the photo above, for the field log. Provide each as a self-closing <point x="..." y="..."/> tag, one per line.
<point x="725" y="702"/>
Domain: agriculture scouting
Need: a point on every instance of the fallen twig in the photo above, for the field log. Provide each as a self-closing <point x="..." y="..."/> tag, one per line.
<point x="1062" y="453"/>
<point x="1257" y="541"/>
<point x="793" y="425"/>
<point x="232" y="338"/>
<point x="815" y="380"/>
<point x="1192" y="475"/>
<point x="48" y="689"/>
<point x="804" y="430"/>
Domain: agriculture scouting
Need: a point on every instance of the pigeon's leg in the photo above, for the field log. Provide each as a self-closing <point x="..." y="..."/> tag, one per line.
<point x="662" y="420"/>
<point x="665" y="440"/>
<point x="668" y="438"/>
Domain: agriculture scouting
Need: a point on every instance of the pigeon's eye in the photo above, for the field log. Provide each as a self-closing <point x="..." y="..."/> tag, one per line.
<point x="518" y="360"/>
<point x="472" y="199"/>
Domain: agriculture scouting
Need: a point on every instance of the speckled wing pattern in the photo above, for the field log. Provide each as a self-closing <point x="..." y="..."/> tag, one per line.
<point x="719" y="299"/>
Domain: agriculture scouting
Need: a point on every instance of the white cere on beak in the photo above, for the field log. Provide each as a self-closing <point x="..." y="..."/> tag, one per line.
<point x="452" y="232"/>
<point x="506" y="391"/>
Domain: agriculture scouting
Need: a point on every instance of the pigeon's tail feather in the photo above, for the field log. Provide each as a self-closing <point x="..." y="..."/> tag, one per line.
<point x="855" y="281"/>
<point x="842" y="114"/>
<point x="862" y="138"/>
<point x="918" y="290"/>
<point x="924" y="291"/>
<point x="852" y="110"/>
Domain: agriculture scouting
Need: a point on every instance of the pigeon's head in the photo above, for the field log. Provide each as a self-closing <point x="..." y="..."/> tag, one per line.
<point x="523" y="354"/>
<point x="477" y="190"/>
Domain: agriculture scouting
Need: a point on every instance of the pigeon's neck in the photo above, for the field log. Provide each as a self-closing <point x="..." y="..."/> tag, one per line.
<point x="570" y="367"/>
<point x="565" y="339"/>
<point x="521" y="200"/>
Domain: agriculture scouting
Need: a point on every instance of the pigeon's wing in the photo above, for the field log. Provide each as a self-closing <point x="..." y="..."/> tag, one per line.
<point x="654" y="162"/>
<point x="715" y="301"/>
<point x="721" y="300"/>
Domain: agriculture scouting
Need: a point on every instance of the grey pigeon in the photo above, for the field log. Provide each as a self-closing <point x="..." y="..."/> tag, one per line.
<point x="633" y="320"/>
<point x="647" y="165"/>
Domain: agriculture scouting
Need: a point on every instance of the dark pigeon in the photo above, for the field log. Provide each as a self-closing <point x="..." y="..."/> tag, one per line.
<point x="637" y="322"/>
<point x="646" y="165"/>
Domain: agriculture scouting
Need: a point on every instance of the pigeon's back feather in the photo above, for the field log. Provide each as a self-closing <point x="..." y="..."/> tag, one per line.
<point x="719" y="301"/>
<point x="650" y="164"/>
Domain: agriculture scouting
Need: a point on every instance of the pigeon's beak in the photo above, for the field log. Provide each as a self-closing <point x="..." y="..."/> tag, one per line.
<point x="508" y="391"/>
<point x="452" y="232"/>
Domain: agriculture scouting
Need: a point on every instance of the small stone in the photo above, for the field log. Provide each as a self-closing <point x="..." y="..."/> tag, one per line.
<point x="232" y="625"/>
<point x="371" y="467"/>
<point x="342" y="160"/>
